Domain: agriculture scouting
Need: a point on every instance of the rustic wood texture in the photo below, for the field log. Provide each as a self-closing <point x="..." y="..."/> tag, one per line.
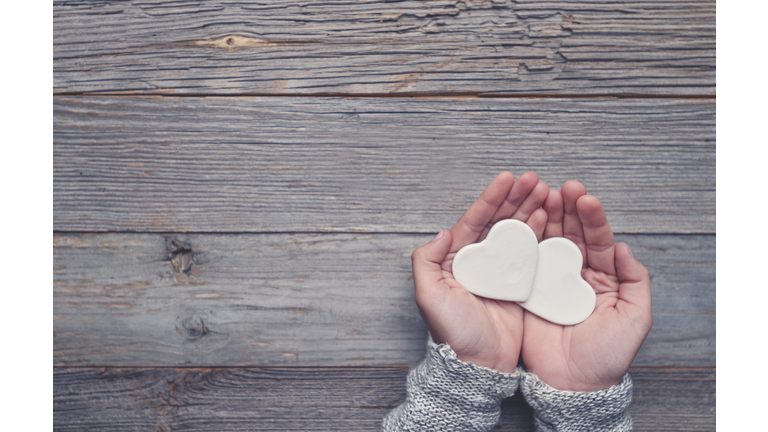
<point x="371" y="165"/>
<point x="307" y="300"/>
<point x="242" y="263"/>
<point x="302" y="399"/>
<point x="292" y="47"/>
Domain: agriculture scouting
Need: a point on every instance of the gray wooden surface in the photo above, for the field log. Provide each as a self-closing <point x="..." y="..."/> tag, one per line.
<point x="385" y="47"/>
<point x="238" y="187"/>
<point x="307" y="300"/>
<point x="354" y="399"/>
<point x="373" y="165"/>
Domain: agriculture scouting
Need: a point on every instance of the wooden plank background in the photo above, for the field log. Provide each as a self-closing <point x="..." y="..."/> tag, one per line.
<point x="277" y="399"/>
<point x="238" y="188"/>
<point x="383" y="47"/>
<point x="306" y="300"/>
<point x="392" y="165"/>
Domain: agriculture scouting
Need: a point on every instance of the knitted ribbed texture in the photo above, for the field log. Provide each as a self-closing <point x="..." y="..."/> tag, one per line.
<point x="447" y="394"/>
<point x="565" y="411"/>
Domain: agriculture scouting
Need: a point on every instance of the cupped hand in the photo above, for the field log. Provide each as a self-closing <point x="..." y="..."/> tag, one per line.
<point x="483" y="331"/>
<point x="596" y="353"/>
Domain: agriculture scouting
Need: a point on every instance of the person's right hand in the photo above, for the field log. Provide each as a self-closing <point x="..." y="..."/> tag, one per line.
<point x="596" y="353"/>
<point x="483" y="331"/>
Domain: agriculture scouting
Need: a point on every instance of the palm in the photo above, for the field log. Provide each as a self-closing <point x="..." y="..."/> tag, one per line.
<point x="486" y="332"/>
<point x="596" y="353"/>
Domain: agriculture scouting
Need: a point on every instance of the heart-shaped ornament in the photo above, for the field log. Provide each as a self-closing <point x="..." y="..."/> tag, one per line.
<point x="559" y="293"/>
<point x="502" y="266"/>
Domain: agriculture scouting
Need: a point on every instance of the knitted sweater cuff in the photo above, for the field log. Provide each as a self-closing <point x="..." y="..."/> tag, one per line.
<point x="446" y="394"/>
<point x="566" y="411"/>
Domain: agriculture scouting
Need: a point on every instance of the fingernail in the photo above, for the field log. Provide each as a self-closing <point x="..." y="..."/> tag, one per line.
<point x="630" y="251"/>
<point x="438" y="236"/>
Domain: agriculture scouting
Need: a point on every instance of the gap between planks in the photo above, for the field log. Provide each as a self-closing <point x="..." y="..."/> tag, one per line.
<point x="442" y="95"/>
<point x="404" y="233"/>
<point x="391" y="367"/>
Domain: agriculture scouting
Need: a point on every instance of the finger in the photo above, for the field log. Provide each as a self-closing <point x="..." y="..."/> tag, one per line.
<point x="635" y="288"/>
<point x="467" y="230"/>
<point x="520" y="191"/>
<point x="537" y="222"/>
<point x="554" y="208"/>
<point x="426" y="261"/>
<point x="526" y="195"/>
<point x="597" y="234"/>
<point x="532" y="202"/>
<point x="572" y="229"/>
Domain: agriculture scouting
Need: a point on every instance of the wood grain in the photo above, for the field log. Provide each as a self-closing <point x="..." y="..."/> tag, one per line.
<point x="370" y="165"/>
<point x="307" y="300"/>
<point x="242" y="263"/>
<point x="248" y="399"/>
<point x="294" y="47"/>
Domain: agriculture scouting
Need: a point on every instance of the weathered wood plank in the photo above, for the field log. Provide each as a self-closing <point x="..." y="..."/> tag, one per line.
<point x="306" y="300"/>
<point x="497" y="46"/>
<point x="357" y="399"/>
<point x="375" y="165"/>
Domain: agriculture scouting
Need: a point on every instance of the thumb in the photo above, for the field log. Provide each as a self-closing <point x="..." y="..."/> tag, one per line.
<point x="635" y="288"/>
<point x="427" y="261"/>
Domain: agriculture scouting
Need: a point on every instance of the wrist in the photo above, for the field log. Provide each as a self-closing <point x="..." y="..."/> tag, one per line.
<point x="494" y="350"/>
<point x="573" y="385"/>
<point x="504" y="365"/>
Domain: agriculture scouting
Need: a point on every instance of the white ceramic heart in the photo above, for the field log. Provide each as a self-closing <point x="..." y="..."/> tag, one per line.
<point x="559" y="293"/>
<point x="502" y="266"/>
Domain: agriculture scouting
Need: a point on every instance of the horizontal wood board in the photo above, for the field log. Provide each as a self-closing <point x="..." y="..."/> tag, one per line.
<point x="357" y="399"/>
<point x="307" y="300"/>
<point x="370" y="165"/>
<point x="297" y="47"/>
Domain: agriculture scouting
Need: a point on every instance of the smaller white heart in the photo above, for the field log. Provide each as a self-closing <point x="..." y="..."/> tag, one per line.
<point x="502" y="266"/>
<point x="559" y="293"/>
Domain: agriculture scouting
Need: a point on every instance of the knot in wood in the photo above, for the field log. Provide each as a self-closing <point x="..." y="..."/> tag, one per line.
<point x="193" y="326"/>
<point x="181" y="256"/>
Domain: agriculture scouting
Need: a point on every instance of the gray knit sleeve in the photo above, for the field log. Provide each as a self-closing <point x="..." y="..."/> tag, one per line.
<point x="447" y="394"/>
<point x="566" y="411"/>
